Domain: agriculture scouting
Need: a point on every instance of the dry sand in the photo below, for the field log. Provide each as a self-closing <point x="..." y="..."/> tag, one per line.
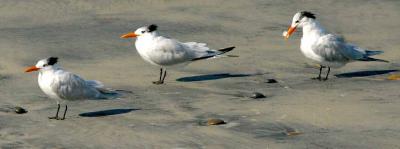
<point x="354" y="111"/>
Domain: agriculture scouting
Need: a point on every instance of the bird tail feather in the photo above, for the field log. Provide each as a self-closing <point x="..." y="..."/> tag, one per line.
<point x="371" y="53"/>
<point x="374" y="59"/>
<point x="107" y="93"/>
<point x="222" y="51"/>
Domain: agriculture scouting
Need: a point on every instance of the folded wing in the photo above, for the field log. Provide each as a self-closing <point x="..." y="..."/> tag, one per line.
<point x="72" y="87"/>
<point x="334" y="47"/>
<point x="172" y="51"/>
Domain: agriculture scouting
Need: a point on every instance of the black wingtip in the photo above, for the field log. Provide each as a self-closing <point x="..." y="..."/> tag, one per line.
<point x="374" y="59"/>
<point x="226" y="49"/>
<point x="381" y="60"/>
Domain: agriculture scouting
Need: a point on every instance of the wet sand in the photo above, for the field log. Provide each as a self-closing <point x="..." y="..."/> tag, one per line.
<point x="357" y="109"/>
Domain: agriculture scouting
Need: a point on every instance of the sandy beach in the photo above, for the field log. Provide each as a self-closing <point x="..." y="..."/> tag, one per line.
<point x="358" y="108"/>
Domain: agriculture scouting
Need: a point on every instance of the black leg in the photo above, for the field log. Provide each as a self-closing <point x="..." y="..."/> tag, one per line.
<point x="165" y="74"/>
<point x="161" y="80"/>
<point x="65" y="112"/>
<point x="327" y="75"/>
<point x="58" y="109"/>
<point x="319" y="75"/>
<point x="161" y="71"/>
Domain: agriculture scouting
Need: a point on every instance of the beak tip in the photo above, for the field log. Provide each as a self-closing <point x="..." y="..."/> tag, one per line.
<point x="129" y="35"/>
<point x="30" y="69"/>
<point x="290" y="31"/>
<point x="285" y="35"/>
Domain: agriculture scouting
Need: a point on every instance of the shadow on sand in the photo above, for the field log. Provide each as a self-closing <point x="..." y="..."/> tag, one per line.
<point x="364" y="73"/>
<point x="106" y="112"/>
<point x="212" y="77"/>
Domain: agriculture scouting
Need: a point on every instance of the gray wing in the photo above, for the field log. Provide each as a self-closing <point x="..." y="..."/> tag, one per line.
<point x="200" y="50"/>
<point x="170" y="52"/>
<point x="72" y="87"/>
<point x="334" y="47"/>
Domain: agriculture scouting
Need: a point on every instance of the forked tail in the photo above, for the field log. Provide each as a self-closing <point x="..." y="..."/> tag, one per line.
<point x="371" y="53"/>
<point x="370" y="59"/>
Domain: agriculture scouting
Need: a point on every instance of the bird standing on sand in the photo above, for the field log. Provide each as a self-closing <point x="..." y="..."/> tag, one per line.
<point x="165" y="52"/>
<point x="61" y="85"/>
<point x="326" y="49"/>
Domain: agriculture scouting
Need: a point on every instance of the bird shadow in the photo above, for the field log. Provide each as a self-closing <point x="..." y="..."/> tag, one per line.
<point x="364" y="73"/>
<point x="106" y="112"/>
<point x="213" y="77"/>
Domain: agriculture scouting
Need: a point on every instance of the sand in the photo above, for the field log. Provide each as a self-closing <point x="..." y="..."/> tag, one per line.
<point x="357" y="109"/>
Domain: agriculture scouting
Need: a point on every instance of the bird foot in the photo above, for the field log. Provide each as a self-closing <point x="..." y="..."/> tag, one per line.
<point x="53" y="117"/>
<point x="158" y="82"/>
<point x="317" y="78"/>
<point x="57" y="118"/>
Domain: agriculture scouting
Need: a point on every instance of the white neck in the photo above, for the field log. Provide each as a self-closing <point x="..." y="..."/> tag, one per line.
<point x="313" y="28"/>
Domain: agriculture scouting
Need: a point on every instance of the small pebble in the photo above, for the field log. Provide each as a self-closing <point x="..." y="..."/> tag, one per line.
<point x="293" y="133"/>
<point x="271" y="81"/>
<point x="20" y="110"/>
<point x="215" y="122"/>
<point x="257" y="95"/>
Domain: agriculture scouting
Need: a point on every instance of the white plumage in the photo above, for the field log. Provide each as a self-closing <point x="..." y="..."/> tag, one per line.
<point x="326" y="49"/>
<point x="62" y="85"/>
<point x="165" y="52"/>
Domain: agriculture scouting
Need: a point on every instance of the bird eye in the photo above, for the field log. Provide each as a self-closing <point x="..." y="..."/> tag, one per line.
<point x="297" y="21"/>
<point x="44" y="65"/>
<point x="143" y="31"/>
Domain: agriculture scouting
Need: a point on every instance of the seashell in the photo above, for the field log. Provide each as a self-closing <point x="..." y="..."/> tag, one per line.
<point x="215" y="122"/>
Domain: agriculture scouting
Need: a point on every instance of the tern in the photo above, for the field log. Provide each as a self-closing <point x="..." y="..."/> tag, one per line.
<point x="327" y="49"/>
<point x="165" y="52"/>
<point x="61" y="85"/>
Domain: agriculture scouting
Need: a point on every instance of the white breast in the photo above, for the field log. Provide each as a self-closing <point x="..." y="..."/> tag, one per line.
<point x="145" y="49"/>
<point x="45" y="80"/>
<point x="306" y="46"/>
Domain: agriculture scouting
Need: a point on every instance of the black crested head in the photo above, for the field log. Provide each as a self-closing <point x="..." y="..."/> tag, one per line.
<point x="307" y="14"/>
<point x="152" y="27"/>
<point x="52" y="60"/>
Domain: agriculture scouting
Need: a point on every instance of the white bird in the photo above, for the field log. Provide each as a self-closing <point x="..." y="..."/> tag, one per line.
<point x="327" y="49"/>
<point x="61" y="85"/>
<point x="165" y="52"/>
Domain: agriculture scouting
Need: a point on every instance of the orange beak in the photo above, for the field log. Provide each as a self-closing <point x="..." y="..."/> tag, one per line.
<point x="33" y="68"/>
<point x="290" y="32"/>
<point x="129" y="35"/>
